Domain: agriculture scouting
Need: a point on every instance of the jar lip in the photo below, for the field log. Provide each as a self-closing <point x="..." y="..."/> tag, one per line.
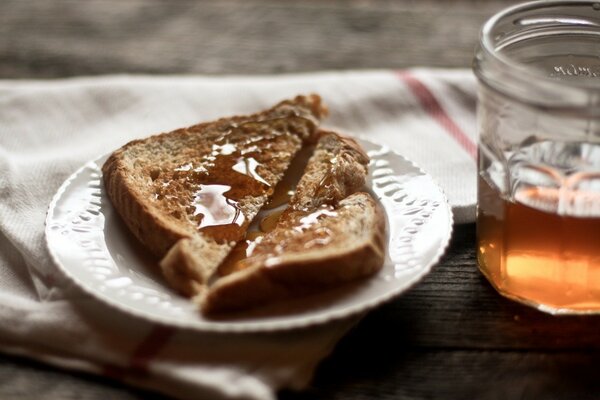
<point x="487" y="42"/>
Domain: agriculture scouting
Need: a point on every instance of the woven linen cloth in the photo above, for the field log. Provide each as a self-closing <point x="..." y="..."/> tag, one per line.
<point x="48" y="129"/>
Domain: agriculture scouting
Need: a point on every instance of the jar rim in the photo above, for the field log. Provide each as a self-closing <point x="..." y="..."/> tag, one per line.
<point x="565" y="93"/>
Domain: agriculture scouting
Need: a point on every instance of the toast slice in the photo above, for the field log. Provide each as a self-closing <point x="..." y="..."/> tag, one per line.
<point x="329" y="234"/>
<point x="190" y="194"/>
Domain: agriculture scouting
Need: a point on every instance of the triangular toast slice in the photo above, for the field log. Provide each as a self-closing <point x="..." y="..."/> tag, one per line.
<point x="329" y="234"/>
<point x="190" y="194"/>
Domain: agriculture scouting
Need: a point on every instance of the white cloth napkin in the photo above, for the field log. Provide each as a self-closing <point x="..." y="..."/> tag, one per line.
<point x="50" y="128"/>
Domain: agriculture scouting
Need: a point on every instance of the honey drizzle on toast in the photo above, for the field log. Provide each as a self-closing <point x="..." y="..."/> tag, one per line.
<point x="234" y="170"/>
<point x="303" y="224"/>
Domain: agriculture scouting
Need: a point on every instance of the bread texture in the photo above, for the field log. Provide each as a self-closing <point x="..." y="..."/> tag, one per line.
<point x="190" y="194"/>
<point x="329" y="234"/>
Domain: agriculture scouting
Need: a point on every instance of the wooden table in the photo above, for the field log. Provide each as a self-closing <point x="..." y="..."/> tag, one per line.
<point x="452" y="336"/>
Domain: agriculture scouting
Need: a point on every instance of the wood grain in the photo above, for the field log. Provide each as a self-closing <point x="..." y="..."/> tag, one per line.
<point x="439" y="374"/>
<point x="456" y="308"/>
<point x="453" y="337"/>
<point x="45" y="39"/>
<point x="450" y="337"/>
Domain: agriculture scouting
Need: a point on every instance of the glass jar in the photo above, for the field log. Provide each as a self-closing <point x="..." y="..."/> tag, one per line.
<point x="538" y="221"/>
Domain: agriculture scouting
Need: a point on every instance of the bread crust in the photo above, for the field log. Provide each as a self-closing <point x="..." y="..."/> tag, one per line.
<point x="282" y="264"/>
<point x="175" y="242"/>
<point x="305" y="272"/>
<point x="157" y="234"/>
<point x="188" y="257"/>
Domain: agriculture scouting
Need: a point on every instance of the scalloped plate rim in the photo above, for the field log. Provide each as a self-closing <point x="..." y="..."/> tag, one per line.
<point x="339" y="312"/>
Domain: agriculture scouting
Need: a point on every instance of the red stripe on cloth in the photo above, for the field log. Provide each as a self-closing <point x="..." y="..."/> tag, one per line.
<point x="113" y="372"/>
<point x="144" y="353"/>
<point x="433" y="107"/>
<point x="151" y="346"/>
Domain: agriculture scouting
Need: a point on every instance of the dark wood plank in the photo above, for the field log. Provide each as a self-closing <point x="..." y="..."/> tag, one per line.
<point x="399" y="373"/>
<point x="453" y="336"/>
<point x="46" y="39"/>
<point x="456" y="308"/>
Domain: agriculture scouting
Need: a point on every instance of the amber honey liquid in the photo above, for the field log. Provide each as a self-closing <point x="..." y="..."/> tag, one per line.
<point x="536" y="256"/>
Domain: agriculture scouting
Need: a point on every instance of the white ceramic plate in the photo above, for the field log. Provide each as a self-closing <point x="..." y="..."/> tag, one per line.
<point x="91" y="245"/>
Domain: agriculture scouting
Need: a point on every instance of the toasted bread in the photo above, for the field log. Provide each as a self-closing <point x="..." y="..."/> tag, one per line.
<point x="329" y="234"/>
<point x="190" y="194"/>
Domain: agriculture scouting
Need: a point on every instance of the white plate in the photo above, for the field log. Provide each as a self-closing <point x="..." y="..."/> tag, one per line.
<point x="91" y="245"/>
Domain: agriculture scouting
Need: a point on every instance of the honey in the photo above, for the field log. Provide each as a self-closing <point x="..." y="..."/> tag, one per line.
<point x="270" y="214"/>
<point x="286" y="230"/>
<point x="539" y="256"/>
<point x="216" y="209"/>
<point x="295" y="230"/>
<point x="238" y="165"/>
<point x="242" y="250"/>
<point x="287" y="186"/>
<point x="297" y="227"/>
<point x="269" y="222"/>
